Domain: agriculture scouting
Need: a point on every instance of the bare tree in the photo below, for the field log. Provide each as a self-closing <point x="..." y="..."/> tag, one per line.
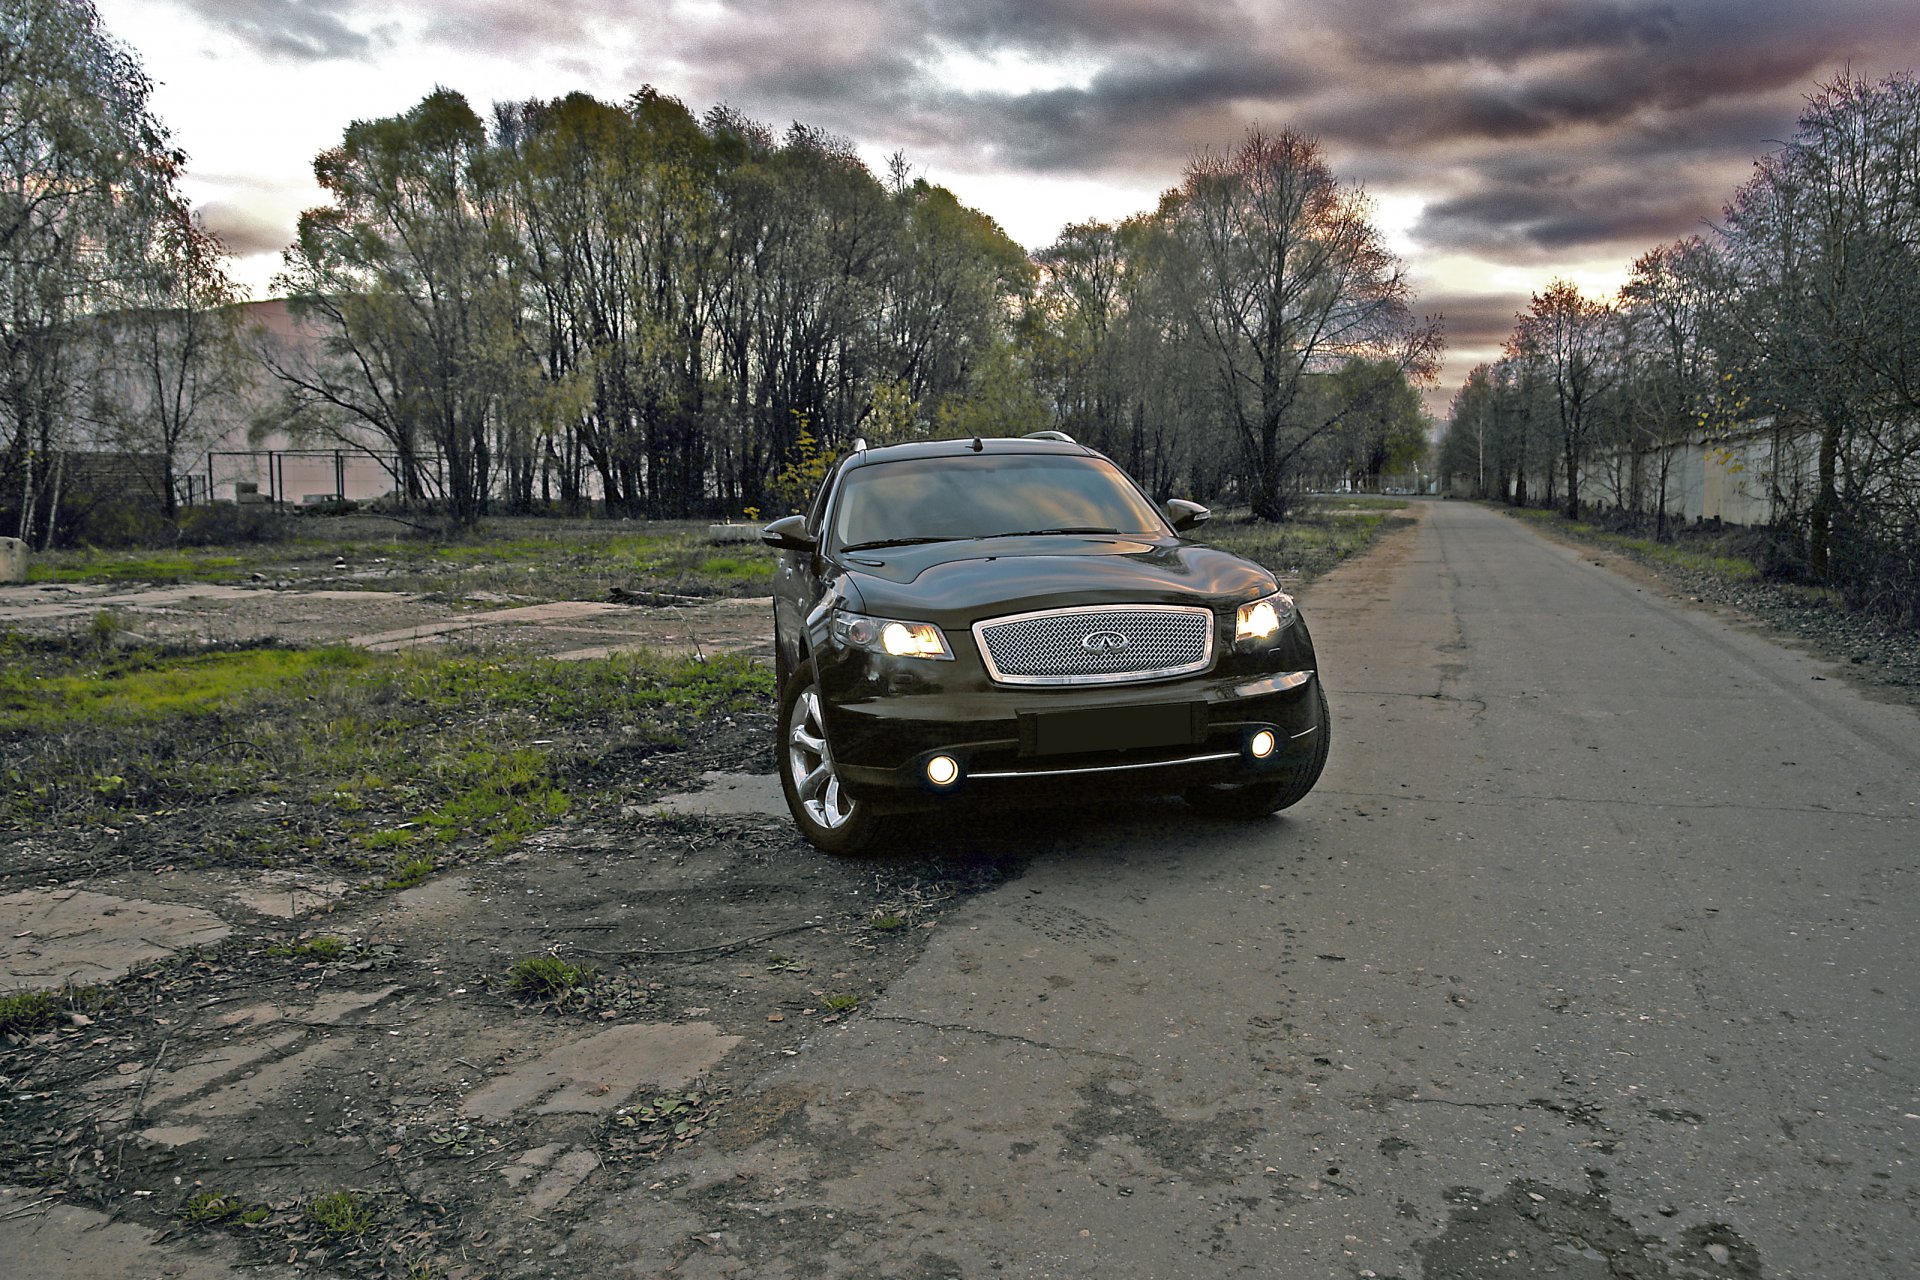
<point x="1290" y="278"/>
<point x="171" y="366"/>
<point x="1566" y="335"/>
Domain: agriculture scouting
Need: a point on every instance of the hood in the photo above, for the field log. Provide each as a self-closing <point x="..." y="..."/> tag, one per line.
<point x="956" y="584"/>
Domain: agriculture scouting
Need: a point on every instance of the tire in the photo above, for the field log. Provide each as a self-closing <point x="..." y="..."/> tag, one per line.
<point x="1258" y="799"/>
<point x="828" y="815"/>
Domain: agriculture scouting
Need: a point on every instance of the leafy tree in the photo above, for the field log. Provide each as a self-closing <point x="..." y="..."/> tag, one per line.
<point x="84" y="165"/>
<point x="414" y="274"/>
<point x="1565" y="336"/>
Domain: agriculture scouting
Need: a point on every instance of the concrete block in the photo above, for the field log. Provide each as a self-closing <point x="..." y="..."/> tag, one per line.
<point x="13" y="560"/>
<point x="733" y="533"/>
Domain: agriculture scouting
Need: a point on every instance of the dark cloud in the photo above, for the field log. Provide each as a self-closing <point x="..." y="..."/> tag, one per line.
<point x="243" y="230"/>
<point x="1400" y="35"/>
<point x="1054" y="25"/>
<point x="306" y="30"/>
<point x="1474" y="322"/>
<point x="1533" y="129"/>
<point x="1570" y="215"/>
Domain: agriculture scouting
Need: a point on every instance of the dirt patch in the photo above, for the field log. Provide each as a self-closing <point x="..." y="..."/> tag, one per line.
<point x="213" y="613"/>
<point x="345" y="1079"/>
<point x="396" y="1068"/>
<point x="1535" y="1229"/>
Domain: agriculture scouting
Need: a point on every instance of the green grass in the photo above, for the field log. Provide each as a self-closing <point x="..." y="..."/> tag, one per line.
<point x="218" y="1209"/>
<point x="25" y="1012"/>
<point x="143" y="687"/>
<point x="210" y="564"/>
<point x="377" y="764"/>
<point x="547" y="977"/>
<point x="342" y="1213"/>
<point x="325" y="947"/>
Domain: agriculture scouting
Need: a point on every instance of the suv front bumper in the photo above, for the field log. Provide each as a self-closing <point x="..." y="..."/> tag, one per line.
<point x="885" y="736"/>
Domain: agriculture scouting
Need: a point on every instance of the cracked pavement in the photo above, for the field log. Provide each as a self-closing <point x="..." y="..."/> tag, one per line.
<point x="1589" y="957"/>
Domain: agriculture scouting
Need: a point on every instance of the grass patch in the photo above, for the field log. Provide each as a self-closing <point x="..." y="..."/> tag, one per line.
<point x="1688" y="554"/>
<point x="145" y="686"/>
<point x="548" y="977"/>
<point x="515" y="559"/>
<point x="220" y="1209"/>
<point x="26" y="1012"/>
<point x="324" y="948"/>
<point x="211" y="564"/>
<point x="376" y="763"/>
<point x="342" y="1213"/>
<point x="1319" y="536"/>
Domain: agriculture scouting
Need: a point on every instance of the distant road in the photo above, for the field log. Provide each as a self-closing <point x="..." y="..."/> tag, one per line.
<point x="1594" y="955"/>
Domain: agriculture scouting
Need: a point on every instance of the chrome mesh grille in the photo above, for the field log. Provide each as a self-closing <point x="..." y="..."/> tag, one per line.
<point x="1079" y="646"/>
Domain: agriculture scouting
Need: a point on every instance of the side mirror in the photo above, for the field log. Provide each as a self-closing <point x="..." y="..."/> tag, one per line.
<point x="789" y="533"/>
<point x="1184" y="515"/>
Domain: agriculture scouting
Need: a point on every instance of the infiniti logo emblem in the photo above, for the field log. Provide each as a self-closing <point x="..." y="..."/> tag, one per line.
<point x="1104" y="641"/>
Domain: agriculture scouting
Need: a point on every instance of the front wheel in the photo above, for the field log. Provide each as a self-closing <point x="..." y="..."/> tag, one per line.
<point x="828" y="815"/>
<point x="1258" y="799"/>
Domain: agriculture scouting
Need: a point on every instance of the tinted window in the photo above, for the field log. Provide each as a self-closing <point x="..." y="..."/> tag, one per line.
<point x="984" y="496"/>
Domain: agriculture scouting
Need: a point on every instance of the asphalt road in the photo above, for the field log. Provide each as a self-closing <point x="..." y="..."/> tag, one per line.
<point x="1592" y="956"/>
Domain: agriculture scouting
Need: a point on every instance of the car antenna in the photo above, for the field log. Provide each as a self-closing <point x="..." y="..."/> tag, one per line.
<point x="977" y="445"/>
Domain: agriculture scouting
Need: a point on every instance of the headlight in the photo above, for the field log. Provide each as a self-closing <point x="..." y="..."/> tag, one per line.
<point x="890" y="636"/>
<point x="1259" y="621"/>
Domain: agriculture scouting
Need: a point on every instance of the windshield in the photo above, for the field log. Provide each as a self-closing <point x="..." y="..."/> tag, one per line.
<point x="988" y="496"/>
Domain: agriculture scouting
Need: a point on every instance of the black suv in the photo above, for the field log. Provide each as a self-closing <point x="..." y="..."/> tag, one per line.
<point x="957" y="617"/>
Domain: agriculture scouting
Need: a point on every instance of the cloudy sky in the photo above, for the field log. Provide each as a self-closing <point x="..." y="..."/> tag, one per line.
<point x="1504" y="141"/>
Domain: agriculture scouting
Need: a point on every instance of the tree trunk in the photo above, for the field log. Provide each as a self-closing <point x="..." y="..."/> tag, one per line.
<point x="1820" y="518"/>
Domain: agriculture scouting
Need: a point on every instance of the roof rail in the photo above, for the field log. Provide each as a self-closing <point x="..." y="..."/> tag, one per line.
<point x="1061" y="436"/>
<point x="859" y="444"/>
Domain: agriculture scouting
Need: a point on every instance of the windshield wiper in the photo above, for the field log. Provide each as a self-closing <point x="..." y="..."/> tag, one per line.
<point x="1035" y="533"/>
<point x="895" y="542"/>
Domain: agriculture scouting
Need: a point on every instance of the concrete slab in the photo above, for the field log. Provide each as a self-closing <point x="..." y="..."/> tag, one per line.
<point x="251" y="1092"/>
<point x="596" y="1074"/>
<point x="533" y="614"/>
<point x="728" y="795"/>
<point x="203" y="1073"/>
<point x="288" y="895"/>
<point x="48" y="1240"/>
<point x="55" y="937"/>
<point x="568" y="1172"/>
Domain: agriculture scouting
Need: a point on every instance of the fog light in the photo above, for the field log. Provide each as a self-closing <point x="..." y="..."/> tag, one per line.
<point x="942" y="770"/>
<point x="1262" y="744"/>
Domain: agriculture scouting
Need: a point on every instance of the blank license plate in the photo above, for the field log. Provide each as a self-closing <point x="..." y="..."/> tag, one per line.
<point x="1054" y="733"/>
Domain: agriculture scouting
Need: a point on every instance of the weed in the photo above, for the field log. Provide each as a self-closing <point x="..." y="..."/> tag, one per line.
<point x="548" y="977"/>
<point x="886" y="922"/>
<point x="342" y="1213"/>
<point x="323" y="948"/>
<point x="669" y="1122"/>
<point x="28" y="1011"/>
<point x="841" y="1003"/>
<point x="215" y="1209"/>
<point x="412" y="872"/>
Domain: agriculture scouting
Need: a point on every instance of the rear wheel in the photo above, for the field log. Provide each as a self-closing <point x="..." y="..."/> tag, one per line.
<point x="828" y="815"/>
<point x="1258" y="799"/>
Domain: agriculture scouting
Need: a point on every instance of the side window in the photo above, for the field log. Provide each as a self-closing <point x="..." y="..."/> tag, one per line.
<point x="816" y="514"/>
